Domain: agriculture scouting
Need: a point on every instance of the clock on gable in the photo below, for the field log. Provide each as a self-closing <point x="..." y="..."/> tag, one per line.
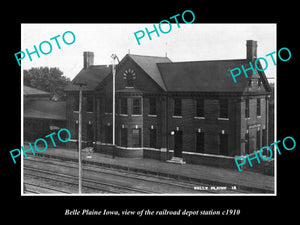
<point x="129" y="76"/>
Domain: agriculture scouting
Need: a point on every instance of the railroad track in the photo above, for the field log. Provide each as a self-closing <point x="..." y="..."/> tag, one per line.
<point x="31" y="188"/>
<point x="185" y="186"/>
<point x="89" y="185"/>
<point x="122" y="174"/>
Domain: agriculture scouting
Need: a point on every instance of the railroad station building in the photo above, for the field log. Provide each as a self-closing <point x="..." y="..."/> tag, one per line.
<point x="190" y="112"/>
<point x="42" y="116"/>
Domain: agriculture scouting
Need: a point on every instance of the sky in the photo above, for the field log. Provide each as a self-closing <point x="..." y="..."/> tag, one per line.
<point x="190" y="42"/>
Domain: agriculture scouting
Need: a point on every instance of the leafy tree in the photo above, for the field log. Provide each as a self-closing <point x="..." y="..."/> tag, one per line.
<point x="47" y="79"/>
<point x="271" y="114"/>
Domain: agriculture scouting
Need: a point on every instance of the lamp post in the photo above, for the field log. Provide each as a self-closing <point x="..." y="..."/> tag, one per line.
<point x="114" y="57"/>
<point x="80" y="136"/>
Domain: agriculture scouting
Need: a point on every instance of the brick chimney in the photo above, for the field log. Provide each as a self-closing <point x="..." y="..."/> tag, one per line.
<point x="251" y="50"/>
<point x="88" y="59"/>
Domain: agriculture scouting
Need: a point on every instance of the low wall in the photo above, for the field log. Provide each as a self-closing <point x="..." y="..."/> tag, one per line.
<point x="163" y="155"/>
<point x="119" y="151"/>
<point x="192" y="158"/>
<point x="160" y="154"/>
<point x="210" y="160"/>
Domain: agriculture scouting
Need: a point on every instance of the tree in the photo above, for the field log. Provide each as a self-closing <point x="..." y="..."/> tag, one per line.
<point x="271" y="114"/>
<point x="47" y="79"/>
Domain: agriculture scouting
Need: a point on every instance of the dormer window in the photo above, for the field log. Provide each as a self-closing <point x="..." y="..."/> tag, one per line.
<point x="259" y="83"/>
<point x="249" y="83"/>
<point x="129" y="76"/>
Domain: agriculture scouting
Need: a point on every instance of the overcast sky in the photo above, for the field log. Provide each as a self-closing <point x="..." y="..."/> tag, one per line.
<point x="190" y="42"/>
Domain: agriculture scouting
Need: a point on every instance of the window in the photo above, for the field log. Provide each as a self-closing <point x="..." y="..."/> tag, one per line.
<point x="75" y="105"/>
<point x="123" y="106"/>
<point x="200" y="108"/>
<point x="129" y="80"/>
<point x="108" y="105"/>
<point x="129" y="75"/>
<point x="136" y="137"/>
<point x="250" y="83"/>
<point x="247" y="109"/>
<point x="258" y="139"/>
<point x="259" y="83"/>
<point x="98" y="105"/>
<point x="123" y="137"/>
<point x="247" y="143"/>
<point x="258" y="107"/>
<point x="152" y="106"/>
<point x="223" y="144"/>
<point x="136" y="106"/>
<point x="108" y="134"/>
<point x="264" y="137"/>
<point x="223" y="113"/>
<point x="177" y="107"/>
<point x="200" y="142"/>
<point x="152" y="142"/>
<point x="89" y="104"/>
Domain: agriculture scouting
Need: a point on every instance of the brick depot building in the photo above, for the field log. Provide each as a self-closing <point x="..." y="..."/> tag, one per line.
<point x="182" y="110"/>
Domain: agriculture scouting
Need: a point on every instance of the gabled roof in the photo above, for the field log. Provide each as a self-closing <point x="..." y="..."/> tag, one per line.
<point x="192" y="76"/>
<point x="204" y="76"/>
<point x="92" y="75"/>
<point x="45" y="109"/>
<point x="33" y="92"/>
<point x="149" y="65"/>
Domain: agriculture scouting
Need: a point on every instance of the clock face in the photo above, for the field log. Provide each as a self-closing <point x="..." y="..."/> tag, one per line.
<point x="129" y="74"/>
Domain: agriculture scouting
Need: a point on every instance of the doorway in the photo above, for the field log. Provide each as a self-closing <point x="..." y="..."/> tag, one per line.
<point x="90" y="135"/>
<point x="178" y="144"/>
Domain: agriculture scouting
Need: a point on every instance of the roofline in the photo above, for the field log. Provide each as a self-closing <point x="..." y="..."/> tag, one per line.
<point x="41" y="92"/>
<point x="162" y="77"/>
<point x="37" y="95"/>
<point x="264" y="77"/>
<point x="154" y="56"/>
<point x="216" y="93"/>
<point x="205" y="61"/>
<point x="85" y="89"/>
<point x="164" y="90"/>
<point x="43" y="118"/>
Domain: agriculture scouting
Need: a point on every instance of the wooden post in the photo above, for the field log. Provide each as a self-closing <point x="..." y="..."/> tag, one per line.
<point x="114" y="57"/>
<point x="80" y="138"/>
<point x="79" y="141"/>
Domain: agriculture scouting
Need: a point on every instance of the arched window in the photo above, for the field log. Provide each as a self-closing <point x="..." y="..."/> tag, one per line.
<point x="129" y="76"/>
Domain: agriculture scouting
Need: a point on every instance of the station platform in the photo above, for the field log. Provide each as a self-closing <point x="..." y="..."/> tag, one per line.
<point x="249" y="181"/>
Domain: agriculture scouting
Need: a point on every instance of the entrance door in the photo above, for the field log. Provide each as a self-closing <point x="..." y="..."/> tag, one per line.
<point x="90" y="135"/>
<point x="178" y="144"/>
<point x="123" y="135"/>
<point x="252" y="140"/>
<point x="264" y="137"/>
<point x="223" y="144"/>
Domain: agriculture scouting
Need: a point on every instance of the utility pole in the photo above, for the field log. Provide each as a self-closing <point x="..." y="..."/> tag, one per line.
<point x="114" y="57"/>
<point x="80" y="137"/>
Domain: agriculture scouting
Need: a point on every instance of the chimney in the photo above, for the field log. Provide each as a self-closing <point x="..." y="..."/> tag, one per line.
<point x="251" y="50"/>
<point x="88" y="59"/>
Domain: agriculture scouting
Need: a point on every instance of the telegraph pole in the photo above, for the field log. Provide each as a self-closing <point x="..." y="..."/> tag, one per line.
<point x="114" y="107"/>
<point x="114" y="57"/>
<point x="80" y="137"/>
